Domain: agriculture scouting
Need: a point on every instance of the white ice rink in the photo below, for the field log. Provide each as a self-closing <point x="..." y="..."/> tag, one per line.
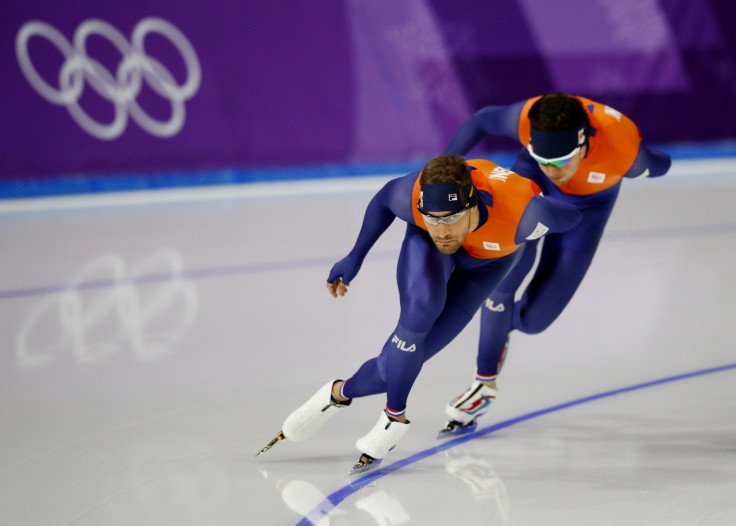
<point x="153" y="343"/>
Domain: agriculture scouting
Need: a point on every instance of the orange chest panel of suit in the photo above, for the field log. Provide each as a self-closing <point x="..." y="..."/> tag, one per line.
<point x="510" y="194"/>
<point x="613" y="145"/>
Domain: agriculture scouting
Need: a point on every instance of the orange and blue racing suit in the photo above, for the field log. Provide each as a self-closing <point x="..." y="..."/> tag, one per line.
<point x="614" y="151"/>
<point x="440" y="293"/>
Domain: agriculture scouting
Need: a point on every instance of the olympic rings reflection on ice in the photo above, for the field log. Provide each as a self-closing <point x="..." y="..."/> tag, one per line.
<point x="144" y="317"/>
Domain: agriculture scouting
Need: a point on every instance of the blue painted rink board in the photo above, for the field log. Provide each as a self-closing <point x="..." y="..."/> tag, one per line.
<point x="75" y="184"/>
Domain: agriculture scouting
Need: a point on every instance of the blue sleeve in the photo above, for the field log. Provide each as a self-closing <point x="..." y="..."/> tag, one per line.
<point x="649" y="163"/>
<point x="391" y="201"/>
<point x="491" y="120"/>
<point x="545" y="215"/>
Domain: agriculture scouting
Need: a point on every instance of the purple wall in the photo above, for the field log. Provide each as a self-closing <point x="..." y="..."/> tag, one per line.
<point x="299" y="83"/>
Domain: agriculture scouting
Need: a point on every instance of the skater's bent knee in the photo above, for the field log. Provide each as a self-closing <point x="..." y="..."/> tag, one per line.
<point x="533" y="325"/>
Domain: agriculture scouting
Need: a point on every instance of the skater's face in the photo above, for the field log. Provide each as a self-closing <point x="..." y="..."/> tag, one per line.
<point x="449" y="235"/>
<point x="561" y="175"/>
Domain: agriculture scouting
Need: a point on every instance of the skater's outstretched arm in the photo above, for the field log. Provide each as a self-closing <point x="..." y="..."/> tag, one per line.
<point x="546" y="215"/>
<point x="391" y="201"/>
<point x="649" y="163"/>
<point x="491" y="120"/>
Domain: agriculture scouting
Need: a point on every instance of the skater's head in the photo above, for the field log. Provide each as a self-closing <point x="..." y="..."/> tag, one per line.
<point x="447" y="185"/>
<point x="448" y="201"/>
<point x="559" y="135"/>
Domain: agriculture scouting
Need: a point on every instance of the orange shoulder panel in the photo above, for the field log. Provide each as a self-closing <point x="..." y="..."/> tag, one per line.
<point x="525" y="127"/>
<point x="416" y="191"/>
<point x="612" y="150"/>
<point x="511" y="195"/>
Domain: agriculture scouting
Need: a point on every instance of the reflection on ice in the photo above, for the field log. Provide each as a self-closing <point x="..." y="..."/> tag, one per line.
<point x="479" y="475"/>
<point x="107" y="308"/>
<point x="315" y="507"/>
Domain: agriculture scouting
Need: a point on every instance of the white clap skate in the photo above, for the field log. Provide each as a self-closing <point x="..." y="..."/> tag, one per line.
<point x="381" y="439"/>
<point x="466" y="408"/>
<point x="307" y="419"/>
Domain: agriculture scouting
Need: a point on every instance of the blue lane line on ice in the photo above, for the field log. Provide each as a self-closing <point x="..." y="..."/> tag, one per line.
<point x="338" y="496"/>
<point x="327" y="262"/>
<point x="251" y="268"/>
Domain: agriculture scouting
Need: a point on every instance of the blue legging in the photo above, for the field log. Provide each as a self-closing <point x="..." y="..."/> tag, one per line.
<point x="438" y="295"/>
<point x="564" y="260"/>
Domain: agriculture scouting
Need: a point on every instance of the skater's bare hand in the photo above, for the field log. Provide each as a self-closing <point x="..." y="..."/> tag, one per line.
<point x="337" y="288"/>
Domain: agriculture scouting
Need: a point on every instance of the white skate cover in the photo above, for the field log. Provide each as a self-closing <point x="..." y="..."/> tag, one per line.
<point x="471" y="404"/>
<point x="383" y="437"/>
<point x="306" y="420"/>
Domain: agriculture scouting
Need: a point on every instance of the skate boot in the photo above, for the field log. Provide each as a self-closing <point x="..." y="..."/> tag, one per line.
<point x="306" y="420"/>
<point x="378" y="442"/>
<point x="465" y="409"/>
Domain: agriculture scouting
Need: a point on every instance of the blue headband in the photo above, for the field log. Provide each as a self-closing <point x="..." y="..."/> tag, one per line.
<point x="446" y="197"/>
<point x="557" y="143"/>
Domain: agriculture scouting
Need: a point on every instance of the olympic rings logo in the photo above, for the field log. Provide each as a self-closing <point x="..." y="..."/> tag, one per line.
<point x="121" y="88"/>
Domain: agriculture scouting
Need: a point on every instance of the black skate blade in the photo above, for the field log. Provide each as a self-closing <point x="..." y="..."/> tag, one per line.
<point x="277" y="438"/>
<point x="456" y="429"/>
<point x="365" y="464"/>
